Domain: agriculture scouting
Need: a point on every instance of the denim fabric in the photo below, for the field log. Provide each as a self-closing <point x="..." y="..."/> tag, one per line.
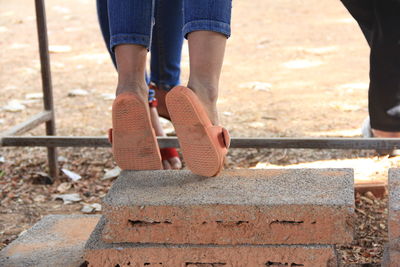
<point x="166" y="47"/>
<point x="131" y="21"/>
<point x="102" y="14"/>
<point x="166" y="44"/>
<point x="207" y="15"/>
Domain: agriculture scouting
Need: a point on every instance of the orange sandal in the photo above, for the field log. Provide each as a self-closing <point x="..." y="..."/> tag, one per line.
<point x="166" y="153"/>
<point x="204" y="146"/>
<point x="134" y="144"/>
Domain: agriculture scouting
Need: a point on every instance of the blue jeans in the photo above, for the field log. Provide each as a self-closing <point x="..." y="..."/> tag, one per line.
<point x="131" y="21"/>
<point x="166" y="46"/>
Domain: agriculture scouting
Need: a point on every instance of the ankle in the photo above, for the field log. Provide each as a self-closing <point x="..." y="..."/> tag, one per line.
<point x="208" y="96"/>
<point x="138" y="88"/>
<point x="207" y="91"/>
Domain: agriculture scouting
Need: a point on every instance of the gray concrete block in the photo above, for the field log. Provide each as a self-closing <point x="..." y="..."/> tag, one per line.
<point x="240" y="187"/>
<point x="394" y="189"/>
<point x="56" y="240"/>
<point x="277" y="206"/>
<point x="394" y="205"/>
<point x="392" y="249"/>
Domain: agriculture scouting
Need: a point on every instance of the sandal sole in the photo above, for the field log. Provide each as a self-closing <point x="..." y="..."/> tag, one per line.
<point x="135" y="145"/>
<point x="199" y="150"/>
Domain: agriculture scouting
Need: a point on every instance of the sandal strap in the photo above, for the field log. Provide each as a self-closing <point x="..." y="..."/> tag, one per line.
<point x="110" y="135"/>
<point x="222" y="135"/>
<point x="168" y="153"/>
<point x="227" y="137"/>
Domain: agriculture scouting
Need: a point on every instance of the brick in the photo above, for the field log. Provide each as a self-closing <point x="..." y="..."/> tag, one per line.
<point x="291" y="206"/>
<point x="394" y="204"/>
<point x="99" y="253"/>
<point x="56" y="240"/>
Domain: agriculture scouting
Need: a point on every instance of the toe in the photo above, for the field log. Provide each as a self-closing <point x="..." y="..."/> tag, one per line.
<point x="175" y="163"/>
<point x="166" y="165"/>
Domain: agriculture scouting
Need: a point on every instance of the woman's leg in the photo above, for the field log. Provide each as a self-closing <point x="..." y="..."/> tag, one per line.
<point x="166" y="50"/>
<point x="207" y="27"/>
<point x="166" y="47"/>
<point x="165" y="69"/>
<point x="134" y="143"/>
<point x="193" y="111"/>
<point x="206" y="51"/>
<point x="102" y="12"/>
<point x="130" y="38"/>
<point x="131" y="65"/>
<point x="169" y="162"/>
<point x="102" y="15"/>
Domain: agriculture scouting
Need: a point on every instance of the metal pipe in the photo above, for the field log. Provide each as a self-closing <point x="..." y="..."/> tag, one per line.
<point x="46" y="82"/>
<point x="275" y="143"/>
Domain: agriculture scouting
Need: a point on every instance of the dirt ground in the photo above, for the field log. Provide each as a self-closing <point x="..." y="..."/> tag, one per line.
<point x="311" y="53"/>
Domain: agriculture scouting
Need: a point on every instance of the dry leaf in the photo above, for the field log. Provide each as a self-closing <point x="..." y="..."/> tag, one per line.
<point x="64" y="187"/>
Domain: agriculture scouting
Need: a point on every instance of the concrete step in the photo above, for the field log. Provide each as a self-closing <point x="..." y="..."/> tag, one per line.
<point x="99" y="253"/>
<point x="291" y="206"/>
<point x="56" y="240"/>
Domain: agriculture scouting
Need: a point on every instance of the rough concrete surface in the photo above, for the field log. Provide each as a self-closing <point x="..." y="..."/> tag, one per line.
<point x="392" y="249"/>
<point x="241" y="187"/>
<point x="56" y="240"/>
<point x="297" y="206"/>
<point x="98" y="253"/>
<point x="391" y="257"/>
<point x="394" y="204"/>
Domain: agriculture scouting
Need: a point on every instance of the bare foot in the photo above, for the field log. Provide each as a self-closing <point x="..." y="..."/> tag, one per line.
<point x="172" y="164"/>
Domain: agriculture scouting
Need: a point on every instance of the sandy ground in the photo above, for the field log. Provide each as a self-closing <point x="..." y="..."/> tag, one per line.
<point x="316" y="63"/>
<point x="312" y="54"/>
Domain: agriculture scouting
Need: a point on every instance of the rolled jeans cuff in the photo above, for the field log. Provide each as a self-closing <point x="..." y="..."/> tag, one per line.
<point x="207" y="25"/>
<point x="130" y="38"/>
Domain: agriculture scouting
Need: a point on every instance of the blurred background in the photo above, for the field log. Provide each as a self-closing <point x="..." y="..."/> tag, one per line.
<point x="293" y="68"/>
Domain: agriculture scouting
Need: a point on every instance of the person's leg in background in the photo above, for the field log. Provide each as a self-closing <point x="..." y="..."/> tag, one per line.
<point x="384" y="92"/>
<point x="172" y="47"/>
<point x="363" y="12"/>
<point x="380" y="23"/>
